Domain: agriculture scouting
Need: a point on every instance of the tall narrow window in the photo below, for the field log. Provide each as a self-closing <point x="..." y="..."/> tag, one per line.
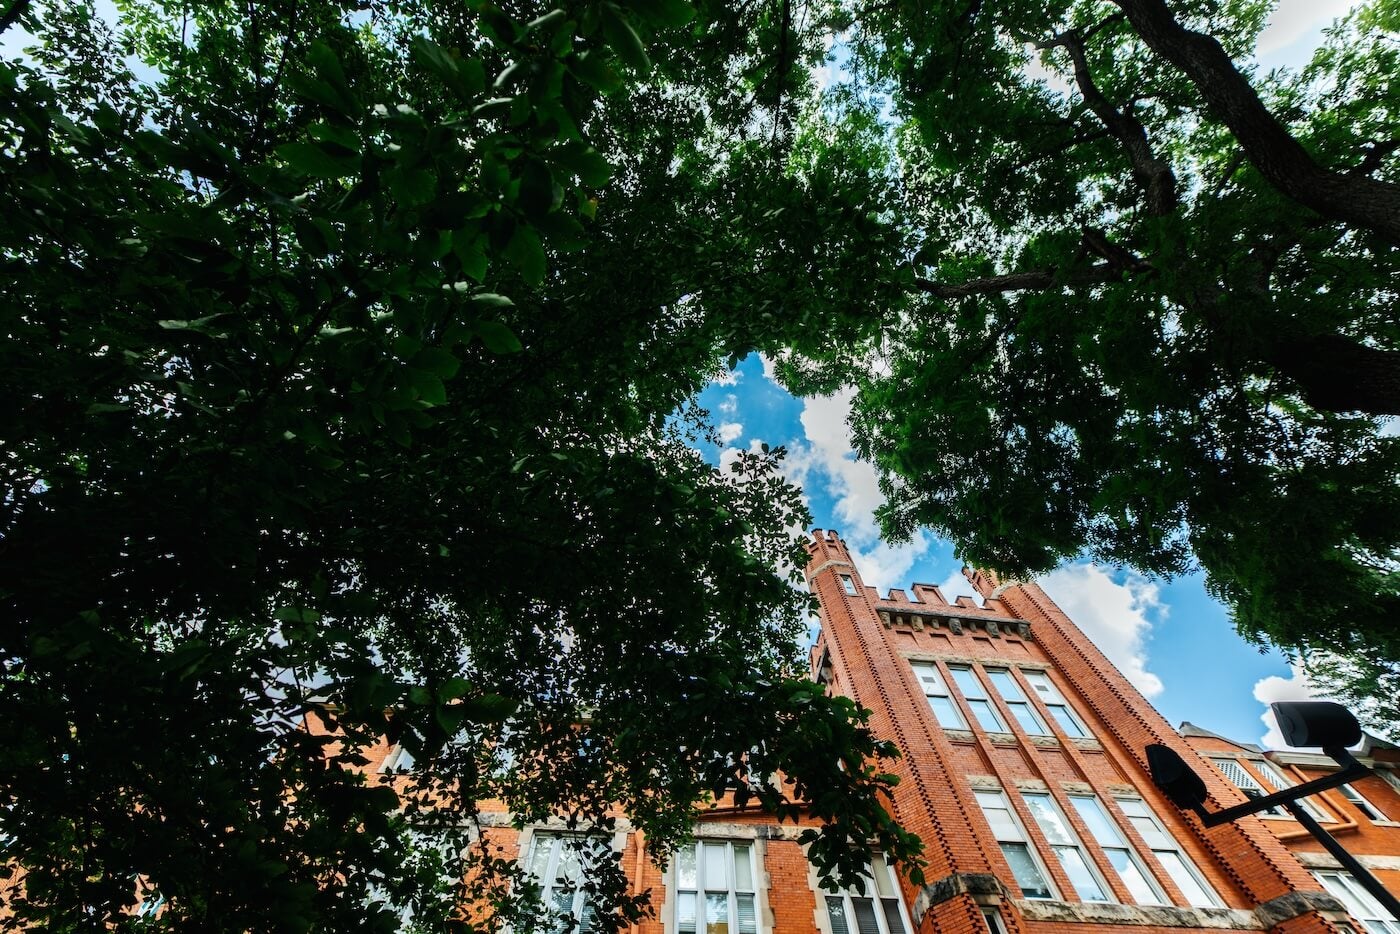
<point x="877" y="910"/>
<point x="1055" y="703"/>
<point x="1115" y="846"/>
<point x="1360" y="803"/>
<point x="1025" y="867"/>
<point x="1067" y="848"/>
<point x="848" y="585"/>
<point x="1016" y="701"/>
<point x="1245" y="782"/>
<point x="976" y="697"/>
<point x="1360" y="903"/>
<point x="936" y="690"/>
<point x="715" y="891"/>
<point x="399" y="759"/>
<point x="556" y="865"/>
<point x="1168" y="852"/>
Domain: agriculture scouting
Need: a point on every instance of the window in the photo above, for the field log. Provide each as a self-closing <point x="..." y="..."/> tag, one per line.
<point x="715" y="888"/>
<point x="1016" y="700"/>
<point x="150" y="906"/>
<point x="1360" y="903"/>
<point x="1245" y="782"/>
<point x="848" y="585"/>
<point x="1055" y="703"/>
<point x="877" y="910"/>
<point x="993" y="919"/>
<point x="399" y="759"/>
<point x="1280" y="781"/>
<point x="1025" y="867"/>
<point x="556" y="865"/>
<point x="976" y="697"/>
<point x="1360" y="803"/>
<point x="1067" y="848"/>
<point x="944" y="710"/>
<point x="1391" y="779"/>
<point x="1120" y="855"/>
<point x="1178" y="866"/>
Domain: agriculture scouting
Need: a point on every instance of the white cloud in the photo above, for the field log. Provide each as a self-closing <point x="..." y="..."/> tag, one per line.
<point x="1276" y="688"/>
<point x="1294" y="19"/>
<point x="1115" y="617"/>
<point x="730" y="431"/>
<point x="770" y="368"/>
<point x="958" y="586"/>
<point x="730" y="405"/>
<point x="728" y="378"/>
<point x="825" y="456"/>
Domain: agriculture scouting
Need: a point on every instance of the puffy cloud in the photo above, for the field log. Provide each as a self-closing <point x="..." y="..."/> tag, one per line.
<point x="727" y="378"/>
<point x="1117" y="617"/>
<point x="1277" y="688"/>
<point x="825" y="456"/>
<point x="730" y="405"/>
<point x="730" y="431"/>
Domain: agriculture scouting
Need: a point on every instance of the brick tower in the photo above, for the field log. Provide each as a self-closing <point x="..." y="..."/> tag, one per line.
<point x="1024" y="771"/>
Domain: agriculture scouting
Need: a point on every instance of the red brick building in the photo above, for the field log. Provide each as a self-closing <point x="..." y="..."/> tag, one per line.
<point x="1023" y="770"/>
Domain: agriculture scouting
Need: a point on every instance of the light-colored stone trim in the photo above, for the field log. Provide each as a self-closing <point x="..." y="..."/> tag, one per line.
<point x="1327" y="861"/>
<point x="984" y="782"/>
<point x="1168" y="916"/>
<point x="1049" y="742"/>
<point x="1033" y="785"/>
<point x="995" y="661"/>
<point x="1077" y="788"/>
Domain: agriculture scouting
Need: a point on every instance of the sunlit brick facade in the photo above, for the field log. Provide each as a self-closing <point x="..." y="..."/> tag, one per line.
<point x="1023" y="770"/>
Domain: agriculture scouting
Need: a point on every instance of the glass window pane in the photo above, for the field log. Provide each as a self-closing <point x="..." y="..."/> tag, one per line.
<point x="716" y="914"/>
<point x="715" y="875"/>
<point x="968" y="683"/>
<point x="1006" y="685"/>
<point x="836" y="912"/>
<point x="539" y="859"/>
<point x="987" y="716"/>
<point x="567" y="869"/>
<point x="1185" y="879"/>
<point x="1065" y="720"/>
<point x="1132" y="875"/>
<point x="1079" y="874"/>
<point x="946" y="713"/>
<point x="747" y="917"/>
<point x="685" y="910"/>
<point x="1049" y="819"/>
<point x="743" y="869"/>
<point x="685" y="867"/>
<point x="1150" y="832"/>
<point x="1003" y="825"/>
<point x="884" y="877"/>
<point x="1096" y="819"/>
<point x="1025" y="871"/>
<point x="1029" y="721"/>
<point x="864" y="909"/>
<point x="893" y="919"/>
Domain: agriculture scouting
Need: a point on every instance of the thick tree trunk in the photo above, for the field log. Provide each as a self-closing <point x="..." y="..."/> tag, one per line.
<point x="1352" y="198"/>
<point x="1338" y="374"/>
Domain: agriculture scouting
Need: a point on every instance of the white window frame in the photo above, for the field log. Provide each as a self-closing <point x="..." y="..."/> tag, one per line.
<point x="398" y="761"/>
<point x="1110" y="838"/>
<point x="994" y="923"/>
<point x="1022" y="710"/>
<point x="581" y="916"/>
<point x="1136" y="809"/>
<point x="934" y="685"/>
<point x="1236" y="774"/>
<point x="1068" y="848"/>
<point x="848" y="584"/>
<point x="881" y="897"/>
<point x="1390" y="777"/>
<point x="704" y="886"/>
<point x="1016" y="836"/>
<point x="988" y="709"/>
<point x="1357" y="800"/>
<point x="1360" y="904"/>
<point x="1060" y="710"/>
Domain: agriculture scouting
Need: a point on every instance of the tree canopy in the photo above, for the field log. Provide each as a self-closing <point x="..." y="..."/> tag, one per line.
<point x="1148" y="306"/>
<point x="350" y="356"/>
<point x="347" y="365"/>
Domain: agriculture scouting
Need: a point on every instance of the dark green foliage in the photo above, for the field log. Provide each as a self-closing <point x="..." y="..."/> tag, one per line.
<point x="339" y="374"/>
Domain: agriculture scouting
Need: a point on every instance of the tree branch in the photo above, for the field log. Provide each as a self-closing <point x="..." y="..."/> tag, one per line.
<point x="1033" y="280"/>
<point x="1353" y="199"/>
<point x="12" y="15"/>
<point x="1155" y="176"/>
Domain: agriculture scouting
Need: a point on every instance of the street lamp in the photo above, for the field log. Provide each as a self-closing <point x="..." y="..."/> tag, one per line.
<point x="1303" y="723"/>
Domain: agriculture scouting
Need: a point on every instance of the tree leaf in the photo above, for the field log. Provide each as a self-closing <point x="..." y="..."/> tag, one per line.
<point x="497" y="337"/>
<point x="623" y="39"/>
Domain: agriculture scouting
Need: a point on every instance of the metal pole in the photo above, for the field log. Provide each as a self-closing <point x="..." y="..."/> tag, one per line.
<point x="1369" y="882"/>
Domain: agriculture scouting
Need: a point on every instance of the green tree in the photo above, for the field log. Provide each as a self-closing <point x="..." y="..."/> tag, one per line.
<point x="343" y="351"/>
<point x="1146" y="305"/>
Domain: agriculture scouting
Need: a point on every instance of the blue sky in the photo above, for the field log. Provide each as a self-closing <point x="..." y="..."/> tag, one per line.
<point x="1169" y="637"/>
